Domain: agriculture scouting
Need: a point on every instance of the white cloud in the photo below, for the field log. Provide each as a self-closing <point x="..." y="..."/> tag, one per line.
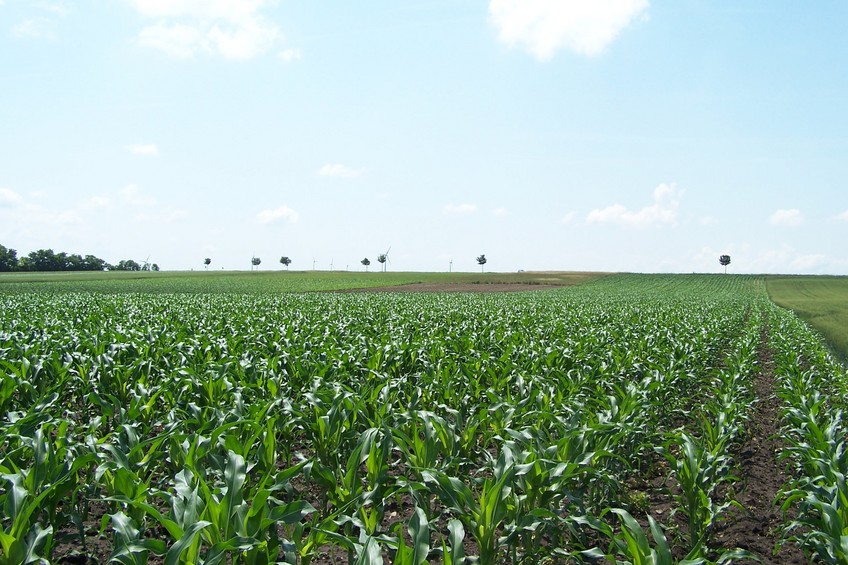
<point x="143" y="149"/>
<point x="132" y="195"/>
<point x="662" y="212"/>
<point x="35" y="28"/>
<point x="500" y="212"/>
<point x="460" y="209"/>
<point x="234" y="29"/>
<point x="338" y="170"/>
<point x="568" y="217"/>
<point x="809" y="262"/>
<point x="9" y="198"/>
<point x="290" y="55"/>
<point x="787" y="218"/>
<point x="180" y="41"/>
<point x="282" y="213"/>
<point x="543" y="27"/>
<point x="843" y="216"/>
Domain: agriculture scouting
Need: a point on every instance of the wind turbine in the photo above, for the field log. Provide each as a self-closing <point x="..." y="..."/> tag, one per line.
<point x="450" y="265"/>
<point x="384" y="258"/>
<point x="331" y="264"/>
<point x="145" y="265"/>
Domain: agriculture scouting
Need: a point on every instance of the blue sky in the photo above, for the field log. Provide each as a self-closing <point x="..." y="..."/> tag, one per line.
<point x="611" y="135"/>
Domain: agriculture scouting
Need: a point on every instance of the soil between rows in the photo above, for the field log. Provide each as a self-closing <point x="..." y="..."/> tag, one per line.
<point x="758" y="528"/>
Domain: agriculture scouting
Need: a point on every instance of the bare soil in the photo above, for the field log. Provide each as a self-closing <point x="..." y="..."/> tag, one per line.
<point x="456" y="287"/>
<point x="758" y="528"/>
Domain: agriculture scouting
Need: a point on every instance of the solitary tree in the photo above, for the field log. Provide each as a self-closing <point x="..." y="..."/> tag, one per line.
<point x="366" y="262"/>
<point x="285" y="261"/>
<point x="206" y="263"/>
<point x="725" y="261"/>
<point x="381" y="258"/>
<point x="481" y="260"/>
<point x="255" y="261"/>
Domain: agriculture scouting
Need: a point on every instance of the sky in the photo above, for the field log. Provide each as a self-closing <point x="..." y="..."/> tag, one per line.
<point x="602" y="135"/>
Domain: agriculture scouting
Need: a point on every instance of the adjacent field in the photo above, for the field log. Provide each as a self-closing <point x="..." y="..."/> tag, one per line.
<point x="271" y="281"/>
<point x="821" y="301"/>
<point x="220" y="420"/>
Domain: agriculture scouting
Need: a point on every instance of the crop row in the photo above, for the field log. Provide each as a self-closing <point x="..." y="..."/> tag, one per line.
<point x="523" y="428"/>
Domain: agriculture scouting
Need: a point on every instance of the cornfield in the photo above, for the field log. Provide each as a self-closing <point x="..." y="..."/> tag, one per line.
<point x="593" y="424"/>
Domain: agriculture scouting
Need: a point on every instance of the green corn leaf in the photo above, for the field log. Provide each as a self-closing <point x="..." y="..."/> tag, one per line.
<point x="419" y="530"/>
<point x="174" y="554"/>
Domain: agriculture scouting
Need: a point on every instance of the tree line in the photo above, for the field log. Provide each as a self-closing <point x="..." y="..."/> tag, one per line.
<point x="48" y="260"/>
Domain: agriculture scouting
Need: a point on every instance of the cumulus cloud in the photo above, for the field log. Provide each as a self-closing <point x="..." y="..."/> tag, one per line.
<point x="460" y="208"/>
<point x="662" y="212"/>
<point x="568" y="217"/>
<point x="338" y="170"/>
<point x="542" y="27"/>
<point x="269" y="216"/>
<point x="143" y="149"/>
<point x="234" y="29"/>
<point x="843" y="216"/>
<point x="9" y="198"/>
<point x="787" y="218"/>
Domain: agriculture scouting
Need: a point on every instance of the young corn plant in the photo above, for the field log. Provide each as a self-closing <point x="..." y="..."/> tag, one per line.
<point x="698" y="472"/>
<point x="487" y="513"/>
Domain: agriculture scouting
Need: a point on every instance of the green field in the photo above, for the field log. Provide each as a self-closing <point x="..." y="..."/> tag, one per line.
<point x="820" y="301"/>
<point x="235" y="418"/>
<point x="265" y="281"/>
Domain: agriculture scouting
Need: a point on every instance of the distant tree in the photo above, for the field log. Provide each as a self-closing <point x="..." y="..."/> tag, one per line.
<point x="481" y="260"/>
<point x="127" y="265"/>
<point x="381" y="258"/>
<point x="285" y="261"/>
<point x="255" y="262"/>
<point x="154" y="267"/>
<point x="206" y="263"/>
<point x="42" y="260"/>
<point x="8" y="259"/>
<point x="366" y="262"/>
<point x="725" y="261"/>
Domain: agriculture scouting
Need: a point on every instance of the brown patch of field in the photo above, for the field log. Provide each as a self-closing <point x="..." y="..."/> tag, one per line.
<point x="456" y="287"/>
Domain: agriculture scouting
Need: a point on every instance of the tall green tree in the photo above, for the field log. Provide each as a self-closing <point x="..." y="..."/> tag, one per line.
<point x="127" y="265"/>
<point x="481" y="260"/>
<point x="8" y="259"/>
